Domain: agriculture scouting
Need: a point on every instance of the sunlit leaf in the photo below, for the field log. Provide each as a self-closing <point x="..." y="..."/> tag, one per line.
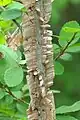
<point x="2" y="38"/>
<point x="65" y="37"/>
<point x="5" y="24"/>
<point x="5" y="2"/>
<point x="72" y="30"/>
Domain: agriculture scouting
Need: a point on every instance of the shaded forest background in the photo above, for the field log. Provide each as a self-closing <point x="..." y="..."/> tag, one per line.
<point x="69" y="82"/>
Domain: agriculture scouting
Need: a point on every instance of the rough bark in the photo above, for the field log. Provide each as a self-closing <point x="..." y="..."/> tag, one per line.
<point x="39" y="55"/>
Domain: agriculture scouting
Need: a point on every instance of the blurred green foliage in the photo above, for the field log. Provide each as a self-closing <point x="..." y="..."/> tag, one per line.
<point x="14" y="93"/>
<point x="69" y="82"/>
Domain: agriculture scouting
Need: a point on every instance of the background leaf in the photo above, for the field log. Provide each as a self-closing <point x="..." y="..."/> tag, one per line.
<point x="15" y="5"/>
<point x="74" y="48"/>
<point x="9" y="60"/>
<point x="2" y="93"/>
<point x="65" y="37"/>
<point x="21" y="107"/>
<point x="66" y="57"/>
<point x="66" y="109"/>
<point x="13" y="76"/>
<point x="62" y="117"/>
<point x="10" y="14"/>
<point x="17" y="94"/>
<point x="59" y="68"/>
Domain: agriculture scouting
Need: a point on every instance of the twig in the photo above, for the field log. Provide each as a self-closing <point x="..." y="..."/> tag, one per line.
<point x="63" y="50"/>
<point x="56" y="36"/>
<point x="10" y="93"/>
<point x="19" y="100"/>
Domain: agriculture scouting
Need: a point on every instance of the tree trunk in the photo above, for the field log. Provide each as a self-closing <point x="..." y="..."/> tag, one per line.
<point x="39" y="55"/>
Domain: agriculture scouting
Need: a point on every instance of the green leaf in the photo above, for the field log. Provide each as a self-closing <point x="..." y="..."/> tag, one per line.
<point x="18" y="87"/>
<point x="25" y="88"/>
<point x="21" y="107"/>
<point x="22" y="62"/>
<point x="2" y="38"/>
<point x="13" y="76"/>
<point x="2" y="93"/>
<point x="65" y="37"/>
<point x="56" y="50"/>
<point x="8" y="99"/>
<point x="19" y="54"/>
<point x="59" y="69"/>
<point x="3" y="67"/>
<point x="10" y="14"/>
<point x="55" y="46"/>
<point x="20" y="116"/>
<point x="23" y="118"/>
<point x="9" y="52"/>
<point x="17" y="94"/>
<point x="67" y="109"/>
<point x="9" y="60"/>
<point x="72" y="30"/>
<point x="15" y="5"/>
<point x="75" y="2"/>
<point x="76" y="39"/>
<point x="55" y="91"/>
<point x="66" y="57"/>
<point x="5" y="24"/>
<point x="74" y="48"/>
<point x="67" y="117"/>
<point x="5" y="2"/>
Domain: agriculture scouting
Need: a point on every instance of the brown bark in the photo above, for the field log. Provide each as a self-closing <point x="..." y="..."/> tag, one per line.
<point x="38" y="52"/>
<point x="39" y="55"/>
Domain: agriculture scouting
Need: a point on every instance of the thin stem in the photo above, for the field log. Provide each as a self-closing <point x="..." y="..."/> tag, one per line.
<point x="63" y="50"/>
<point x="56" y="36"/>
<point x="10" y="93"/>
<point x="19" y="100"/>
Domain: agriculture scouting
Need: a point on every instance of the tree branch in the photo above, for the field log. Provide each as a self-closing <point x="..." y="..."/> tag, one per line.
<point x="64" y="49"/>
